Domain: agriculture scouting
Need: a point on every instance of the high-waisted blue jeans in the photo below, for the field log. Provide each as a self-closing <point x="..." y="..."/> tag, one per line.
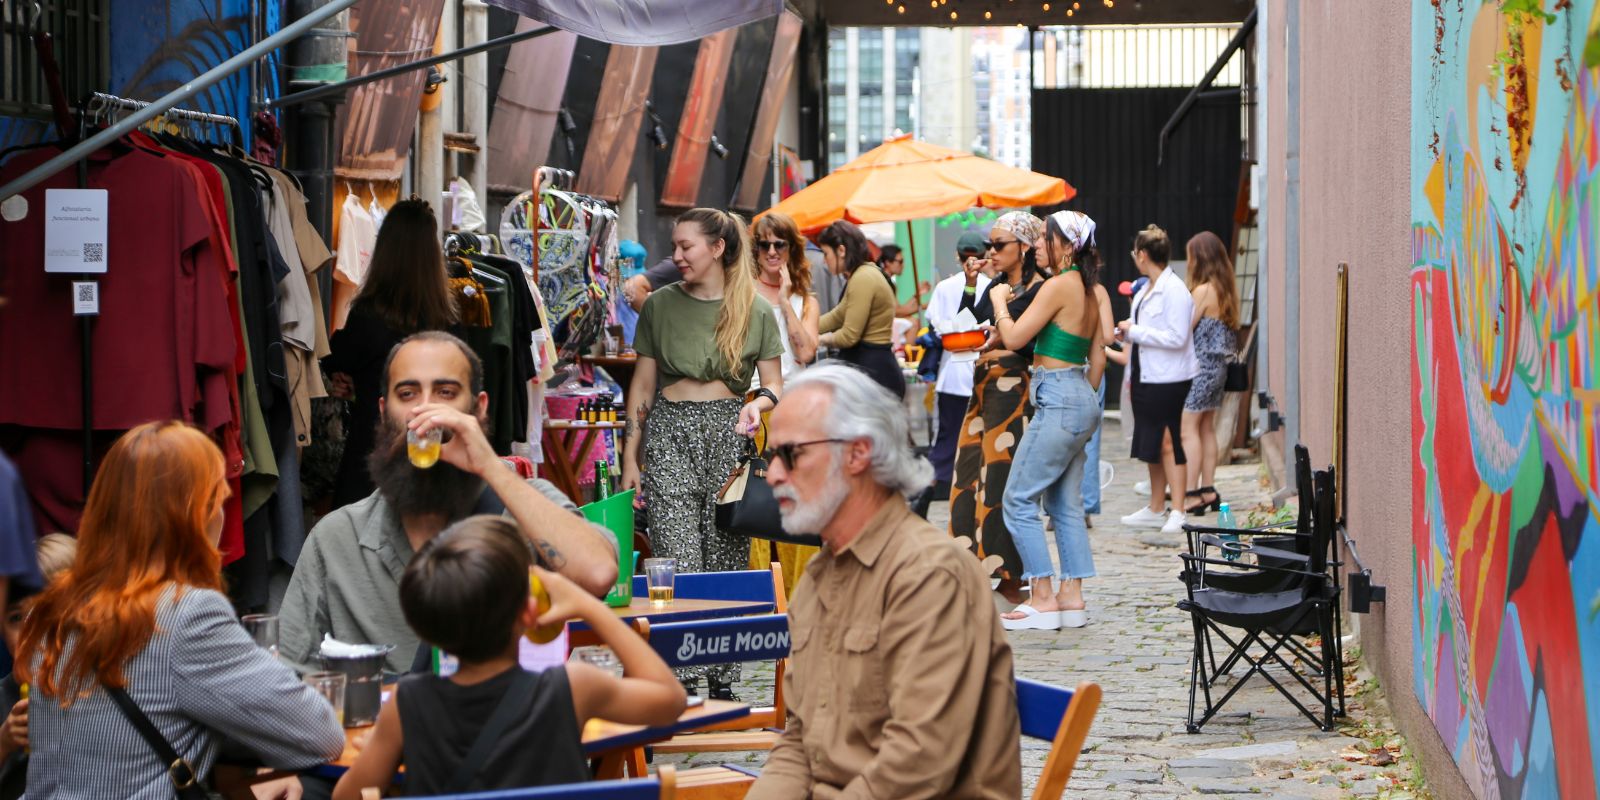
<point x="1049" y="467"/>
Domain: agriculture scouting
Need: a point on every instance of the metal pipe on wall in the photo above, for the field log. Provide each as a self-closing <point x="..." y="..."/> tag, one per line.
<point x="1291" y="226"/>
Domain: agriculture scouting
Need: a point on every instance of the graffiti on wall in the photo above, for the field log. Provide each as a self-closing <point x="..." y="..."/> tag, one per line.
<point x="158" y="46"/>
<point x="1505" y="201"/>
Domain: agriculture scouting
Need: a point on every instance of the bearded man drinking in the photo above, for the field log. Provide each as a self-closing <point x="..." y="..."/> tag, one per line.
<point x="347" y="581"/>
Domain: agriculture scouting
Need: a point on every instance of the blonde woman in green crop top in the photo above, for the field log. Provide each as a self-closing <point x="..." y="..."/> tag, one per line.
<point x="1063" y="322"/>
<point x="699" y="342"/>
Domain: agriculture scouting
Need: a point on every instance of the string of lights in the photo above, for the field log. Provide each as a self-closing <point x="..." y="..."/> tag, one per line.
<point x="1071" y="7"/>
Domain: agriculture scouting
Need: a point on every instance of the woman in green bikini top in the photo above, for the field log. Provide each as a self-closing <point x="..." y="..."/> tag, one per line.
<point x="1063" y="322"/>
<point x="1052" y="457"/>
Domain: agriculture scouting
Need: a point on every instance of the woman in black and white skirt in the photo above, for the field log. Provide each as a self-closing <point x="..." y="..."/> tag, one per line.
<point x="1216" y="322"/>
<point x="1161" y="367"/>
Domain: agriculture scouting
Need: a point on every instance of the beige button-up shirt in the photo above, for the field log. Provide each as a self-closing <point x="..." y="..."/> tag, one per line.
<point x="901" y="681"/>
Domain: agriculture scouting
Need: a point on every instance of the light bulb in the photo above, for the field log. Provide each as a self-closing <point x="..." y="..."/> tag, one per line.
<point x="952" y="15"/>
<point x="1047" y="7"/>
<point x="1074" y="6"/>
<point x="988" y="15"/>
<point x="901" y="9"/>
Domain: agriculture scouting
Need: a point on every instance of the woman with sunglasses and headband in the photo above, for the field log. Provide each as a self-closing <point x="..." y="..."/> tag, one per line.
<point x="1063" y="324"/>
<point x="999" y="407"/>
<point x="862" y="325"/>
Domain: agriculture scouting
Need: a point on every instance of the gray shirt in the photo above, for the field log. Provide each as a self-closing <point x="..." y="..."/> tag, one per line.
<point x="200" y="679"/>
<point x="347" y="582"/>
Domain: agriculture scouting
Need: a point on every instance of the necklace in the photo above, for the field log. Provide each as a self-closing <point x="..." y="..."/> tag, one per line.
<point x="766" y="283"/>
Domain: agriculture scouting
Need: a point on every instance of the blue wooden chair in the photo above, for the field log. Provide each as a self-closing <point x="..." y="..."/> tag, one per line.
<point x="664" y="786"/>
<point x="1062" y="716"/>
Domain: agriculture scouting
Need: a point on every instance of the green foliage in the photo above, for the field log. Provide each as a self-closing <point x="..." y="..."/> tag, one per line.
<point x="1591" y="50"/>
<point x="1531" y="8"/>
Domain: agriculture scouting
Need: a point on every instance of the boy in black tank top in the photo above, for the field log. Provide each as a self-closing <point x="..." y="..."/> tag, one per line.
<point x="493" y="725"/>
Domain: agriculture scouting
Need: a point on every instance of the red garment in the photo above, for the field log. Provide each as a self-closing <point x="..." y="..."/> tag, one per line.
<point x="164" y="344"/>
<point x="163" y="323"/>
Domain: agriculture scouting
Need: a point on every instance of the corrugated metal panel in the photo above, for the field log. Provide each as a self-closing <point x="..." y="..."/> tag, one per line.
<point x="1104" y="142"/>
<point x="615" y="129"/>
<point x="375" y="126"/>
<point x="682" y="188"/>
<point x="525" y="109"/>
<point x="774" y="91"/>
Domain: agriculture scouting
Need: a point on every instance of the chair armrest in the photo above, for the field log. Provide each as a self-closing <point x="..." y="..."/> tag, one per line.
<point x="1264" y="530"/>
<point x="1193" y="559"/>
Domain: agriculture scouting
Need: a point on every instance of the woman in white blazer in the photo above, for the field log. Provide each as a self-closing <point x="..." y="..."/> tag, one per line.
<point x="1162" y="364"/>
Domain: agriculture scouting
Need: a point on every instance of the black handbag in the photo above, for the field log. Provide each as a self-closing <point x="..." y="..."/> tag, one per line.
<point x="1238" y="378"/>
<point x="185" y="783"/>
<point x="745" y="504"/>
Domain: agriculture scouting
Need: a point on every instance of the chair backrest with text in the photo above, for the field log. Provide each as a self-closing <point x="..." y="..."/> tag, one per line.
<point x="1063" y="717"/>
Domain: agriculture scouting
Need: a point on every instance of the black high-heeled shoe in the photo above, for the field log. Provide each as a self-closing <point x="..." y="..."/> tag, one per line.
<point x="1214" y="504"/>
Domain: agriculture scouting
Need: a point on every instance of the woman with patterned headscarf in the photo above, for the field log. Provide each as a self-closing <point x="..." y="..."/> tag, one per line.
<point x="999" y="407"/>
<point x="1063" y="324"/>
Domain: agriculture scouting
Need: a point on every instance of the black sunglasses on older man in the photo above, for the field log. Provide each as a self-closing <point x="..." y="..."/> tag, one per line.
<point x="775" y="245"/>
<point x="787" y="453"/>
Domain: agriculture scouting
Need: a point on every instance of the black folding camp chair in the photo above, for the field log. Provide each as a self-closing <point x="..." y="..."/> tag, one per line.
<point x="1290" y="598"/>
<point x="1283" y="545"/>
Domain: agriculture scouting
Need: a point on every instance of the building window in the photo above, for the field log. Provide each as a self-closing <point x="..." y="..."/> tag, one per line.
<point x="838" y="60"/>
<point x="82" y="47"/>
<point x="902" y="111"/>
<point x="869" y="55"/>
<point x="869" y="121"/>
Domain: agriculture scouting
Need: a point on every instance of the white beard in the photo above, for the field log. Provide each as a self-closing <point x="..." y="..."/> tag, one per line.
<point x="811" y="517"/>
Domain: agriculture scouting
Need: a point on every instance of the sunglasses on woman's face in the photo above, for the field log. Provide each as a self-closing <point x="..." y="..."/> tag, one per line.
<point x="775" y="245"/>
<point x="998" y="244"/>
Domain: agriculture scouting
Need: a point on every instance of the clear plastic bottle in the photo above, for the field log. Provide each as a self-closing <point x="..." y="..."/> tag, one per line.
<point x="1225" y="520"/>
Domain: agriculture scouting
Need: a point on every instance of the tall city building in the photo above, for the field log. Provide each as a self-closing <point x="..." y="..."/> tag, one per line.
<point x="872" y="88"/>
<point x="1000" y="56"/>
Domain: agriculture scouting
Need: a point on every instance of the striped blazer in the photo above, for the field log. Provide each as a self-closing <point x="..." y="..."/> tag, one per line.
<point x="201" y="680"/>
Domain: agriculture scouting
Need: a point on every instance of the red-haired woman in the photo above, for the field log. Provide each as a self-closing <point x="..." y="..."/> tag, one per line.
<point x="140" y="612"/>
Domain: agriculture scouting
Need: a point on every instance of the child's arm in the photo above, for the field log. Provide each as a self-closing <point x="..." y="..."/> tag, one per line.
<point x="380" y="756"/>
<point x="647" y="694"/>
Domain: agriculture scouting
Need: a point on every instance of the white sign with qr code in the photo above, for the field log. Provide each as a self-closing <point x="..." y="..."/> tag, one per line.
<point x="85" y="298"/>
<point x="75" y="230"/>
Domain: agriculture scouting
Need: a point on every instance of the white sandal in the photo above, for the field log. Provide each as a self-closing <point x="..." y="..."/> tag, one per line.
<point x="1074" y="618"/>
<point x="1032" y="620"/>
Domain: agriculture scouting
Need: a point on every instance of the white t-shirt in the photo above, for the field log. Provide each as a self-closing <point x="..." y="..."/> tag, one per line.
<point x="945" y="302"/>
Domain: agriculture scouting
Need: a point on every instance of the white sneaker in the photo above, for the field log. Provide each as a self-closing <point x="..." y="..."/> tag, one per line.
<point x="1144" y="518"/>
<point x="1142" y="488"/>
<point x="1175" y="522"/>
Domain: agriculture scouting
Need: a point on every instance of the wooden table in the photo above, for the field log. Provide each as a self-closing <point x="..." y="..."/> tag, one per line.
<point x="568" y="445"/>
<point x="620" y="366"/>
<point x="602" y="739"/>
<point x="579" y="634"/>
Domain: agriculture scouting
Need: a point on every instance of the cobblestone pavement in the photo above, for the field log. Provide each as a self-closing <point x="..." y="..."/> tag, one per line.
<point x="1137" y="647"/>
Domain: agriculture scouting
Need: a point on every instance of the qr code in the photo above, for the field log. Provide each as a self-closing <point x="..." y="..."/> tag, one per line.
<point x="94" y="252"/>
<point x="86" y="291"/>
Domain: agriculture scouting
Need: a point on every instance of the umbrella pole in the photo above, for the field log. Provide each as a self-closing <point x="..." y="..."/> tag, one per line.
<point x="916" y="283"/>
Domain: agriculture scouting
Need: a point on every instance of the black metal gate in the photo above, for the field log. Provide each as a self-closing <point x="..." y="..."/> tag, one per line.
<point x="1104" y="143"/>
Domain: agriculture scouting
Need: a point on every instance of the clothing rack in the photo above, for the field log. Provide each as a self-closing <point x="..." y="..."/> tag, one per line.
<point x="102" y="103"/>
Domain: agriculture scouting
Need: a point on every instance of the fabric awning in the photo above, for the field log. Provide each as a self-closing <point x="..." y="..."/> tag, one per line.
<point x="644" y="22"/>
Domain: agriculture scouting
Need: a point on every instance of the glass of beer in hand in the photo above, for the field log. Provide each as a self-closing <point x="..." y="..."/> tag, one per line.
<point x="423" y="448"/>
<point x="659" y="574"/>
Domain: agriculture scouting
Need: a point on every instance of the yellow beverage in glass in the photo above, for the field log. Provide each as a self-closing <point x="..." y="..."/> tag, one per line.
<point x="542" y="634"/>
<point x="661" y="595"/>
<point x="423" y="452"/>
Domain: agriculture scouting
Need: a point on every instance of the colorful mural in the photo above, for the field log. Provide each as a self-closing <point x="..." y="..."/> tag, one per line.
<point x="1506" y="379"/>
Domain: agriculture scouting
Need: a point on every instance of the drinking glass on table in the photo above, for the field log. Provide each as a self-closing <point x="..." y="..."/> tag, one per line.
<point x="659" y="575"/>
<point x="263" y="628"/>
<point x="331" y="686"/>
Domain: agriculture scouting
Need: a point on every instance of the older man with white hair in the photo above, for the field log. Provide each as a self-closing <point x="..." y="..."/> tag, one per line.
<point x="901" y="683"/>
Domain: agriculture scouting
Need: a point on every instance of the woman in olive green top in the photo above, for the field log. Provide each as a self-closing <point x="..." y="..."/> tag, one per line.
<point x="699" y="343"/>
<point x="862" y="325"/>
